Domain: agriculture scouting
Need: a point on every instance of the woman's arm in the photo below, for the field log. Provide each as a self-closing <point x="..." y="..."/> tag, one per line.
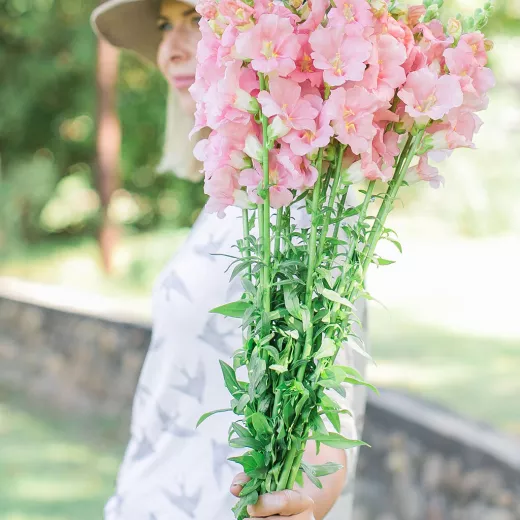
<point x="307" y="503"/>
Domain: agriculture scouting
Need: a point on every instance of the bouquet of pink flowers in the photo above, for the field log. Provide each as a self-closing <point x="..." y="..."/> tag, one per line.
<point x="305" y="100"/>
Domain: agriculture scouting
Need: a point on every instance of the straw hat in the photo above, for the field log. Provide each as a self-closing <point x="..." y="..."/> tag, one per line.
<point x="132" y="25"/>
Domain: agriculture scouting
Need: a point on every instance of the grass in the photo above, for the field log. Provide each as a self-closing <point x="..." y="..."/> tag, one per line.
<point x="473" y="375"/>
<point x="54" y="467"/>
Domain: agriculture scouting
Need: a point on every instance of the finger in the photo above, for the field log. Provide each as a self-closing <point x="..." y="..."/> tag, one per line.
<point x="238" y="483"/>
<point x="308" y="515"/>
<point x="284" y="503"/>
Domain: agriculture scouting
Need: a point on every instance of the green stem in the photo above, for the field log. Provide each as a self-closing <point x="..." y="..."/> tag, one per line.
<point x="407" y="156"/>
<point x="247" y="232"/>
<point x="277" y="239"/>
<point x="309" y="285"/>
<point x="264" y="223"/>
<point x="332" y="198"/>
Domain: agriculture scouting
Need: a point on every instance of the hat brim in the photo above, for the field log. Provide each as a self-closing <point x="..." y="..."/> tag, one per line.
<point x="129" y="24"/>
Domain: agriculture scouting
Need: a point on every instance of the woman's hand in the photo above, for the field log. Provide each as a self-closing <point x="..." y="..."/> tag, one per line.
<point x="277" y="505"/>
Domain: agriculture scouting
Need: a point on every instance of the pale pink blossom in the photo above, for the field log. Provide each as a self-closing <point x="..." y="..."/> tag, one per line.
<point x="477" y="42"/>
<point x="351" y="112"/>
<point x="428" y="96"/>
<point x="271" y="44"/>
<point x="351" y="12"/>
<point x="340" y="52"/>
<point x="284" y="100"/>
<point x="223" y="189"/>
<point x="237" y="12"/>
<point x="279" y="180"/>
<point x="305" y="69"/>
<point x="434" y="40"/>
<point x="316" y="10"/>
<point x="424" y="172"/>
<point x="303" y="173"/>
<point x="385" y="72"/>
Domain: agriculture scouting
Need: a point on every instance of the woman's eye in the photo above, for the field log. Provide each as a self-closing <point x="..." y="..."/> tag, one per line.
<point x="165" y="26"/>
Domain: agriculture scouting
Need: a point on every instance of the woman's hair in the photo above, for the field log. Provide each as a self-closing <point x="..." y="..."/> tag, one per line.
<point x="177" y="156"/>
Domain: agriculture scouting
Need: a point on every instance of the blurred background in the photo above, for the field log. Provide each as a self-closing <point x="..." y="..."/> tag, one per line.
<point x="85" y="222"/>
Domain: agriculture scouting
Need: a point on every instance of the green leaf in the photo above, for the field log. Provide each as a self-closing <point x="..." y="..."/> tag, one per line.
<point x="335" y="297"/>
<point x="209" y="414"/>
<point x="242" y="403"/>
<point x="292" y="304"/>
<point x="261" y="424"/>
<point x="230" y="378"/>
<point x="278" y="368"/>
<point x="334" y="385"/>
<point x="333" y="417"/>
<point x="312" y="477"/>
<point x="246" y="442"/>
<point x="233" y="310"/>
<point x="299" y="478"/>
<point x="335" y="440"/>
<point x="327" y="349"/>
<point x="322" y="470"/>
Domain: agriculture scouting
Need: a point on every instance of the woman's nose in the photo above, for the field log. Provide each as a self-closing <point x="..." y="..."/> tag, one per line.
<point x="177" y="45"/>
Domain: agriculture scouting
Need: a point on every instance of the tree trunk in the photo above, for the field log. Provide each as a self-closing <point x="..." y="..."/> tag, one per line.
<point x="108" y="145"/>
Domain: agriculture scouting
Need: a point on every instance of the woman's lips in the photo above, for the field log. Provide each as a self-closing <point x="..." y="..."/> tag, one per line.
<point x="182" y="82"/>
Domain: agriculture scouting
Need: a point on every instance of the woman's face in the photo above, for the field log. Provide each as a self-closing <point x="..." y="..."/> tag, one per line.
<point x="176" y="57"/>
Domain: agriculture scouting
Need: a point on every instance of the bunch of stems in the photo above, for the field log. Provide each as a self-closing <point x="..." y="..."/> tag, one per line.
<point x="329" y="192"/>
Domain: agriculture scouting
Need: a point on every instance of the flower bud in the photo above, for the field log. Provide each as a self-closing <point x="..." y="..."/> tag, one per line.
<point x="432" y="13"/>
<point x="489" y="45"/>
<point x="277" y="129"/>
<point x="253" y="148"/>
<point x="454" y="28"/>
<point x="354" y="173"/>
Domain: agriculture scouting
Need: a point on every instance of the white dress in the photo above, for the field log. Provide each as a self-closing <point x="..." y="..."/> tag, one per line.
<point x="172" y="471"/>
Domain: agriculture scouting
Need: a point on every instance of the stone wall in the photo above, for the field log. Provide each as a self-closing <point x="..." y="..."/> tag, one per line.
<point x="425" y="462"/>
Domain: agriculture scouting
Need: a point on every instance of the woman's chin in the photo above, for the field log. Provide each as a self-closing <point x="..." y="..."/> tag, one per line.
<point x="187" y="103"/>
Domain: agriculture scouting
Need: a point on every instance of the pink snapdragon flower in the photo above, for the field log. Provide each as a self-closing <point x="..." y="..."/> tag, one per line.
<point x="434" y="40"/>
<point x="284" y="100"/>
<point x="304" y="174"/>
<point x="478" y="44"/>
<point x="351" y="12"/>
<point x="316" y="10"/>
<point x="271" y="44"/>
<point x="305" y="69"/>
<point x="424" y="172"/>
<point x="238" y="13"/>
<point x="351" y="112"/>
<point x="456" y="131"/>
<point x="475" y="79"/>
<point x="385" y="72"/>
<point x="428" y="96"/>
<point x="227" y="100"/>
<point x="340" y="52"/>
<point x="224" y="190"/>
<point x="279" y="179"/>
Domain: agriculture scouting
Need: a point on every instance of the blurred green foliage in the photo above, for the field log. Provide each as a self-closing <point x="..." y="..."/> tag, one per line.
<point x="47" y="129"/>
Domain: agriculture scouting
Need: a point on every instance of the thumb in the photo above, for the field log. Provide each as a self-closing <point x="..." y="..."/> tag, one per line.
<point x="238" y="483"/>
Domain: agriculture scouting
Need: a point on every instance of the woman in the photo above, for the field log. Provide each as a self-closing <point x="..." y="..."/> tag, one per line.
<point x="172" y="470"/>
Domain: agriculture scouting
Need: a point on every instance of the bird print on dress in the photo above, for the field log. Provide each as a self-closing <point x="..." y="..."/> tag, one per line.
<point x="194" y="386"/>
<point x="144" y="449"/>
<point x="173" y="282"/>
<point x="152" y="517"/>
<point x="169" y="424"/>
<point x="216" y="339"/>
<point x="209" y="248"/>
<point x="221" y="453"/>
<point x="183" y="501"/>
